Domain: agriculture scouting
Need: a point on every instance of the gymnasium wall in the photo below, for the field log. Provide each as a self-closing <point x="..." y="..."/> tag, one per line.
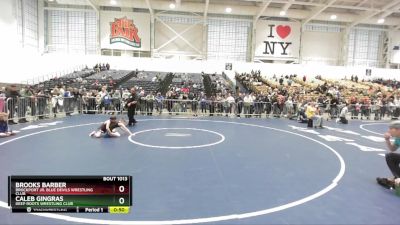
<point x="395" y="46"/>
<point x="8" y="23"/>
<point x="49" y="65"/>
<point x="321" y="47"/>
<point x="17" y="63"/>
<point x="192" y="33"/>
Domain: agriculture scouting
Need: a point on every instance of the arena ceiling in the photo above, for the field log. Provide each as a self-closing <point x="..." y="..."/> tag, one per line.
<point x="347" y="12"/>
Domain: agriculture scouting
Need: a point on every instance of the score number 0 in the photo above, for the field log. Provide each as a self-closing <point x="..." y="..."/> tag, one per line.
<point x="121" y="189"/>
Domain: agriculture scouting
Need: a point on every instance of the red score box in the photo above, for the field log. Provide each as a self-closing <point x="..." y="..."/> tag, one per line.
<point x="121" y="188"/>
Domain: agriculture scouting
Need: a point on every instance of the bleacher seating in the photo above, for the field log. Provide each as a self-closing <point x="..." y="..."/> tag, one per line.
<point x="68" y="79"/>
<point x="149" y="81"/>
<point x="109" y="74"/>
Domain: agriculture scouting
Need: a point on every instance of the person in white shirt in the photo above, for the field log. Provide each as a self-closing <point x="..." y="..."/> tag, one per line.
<point x="125" y="94"/>
<point x="342" y="118"/>
<point x="231" y="102"/>
<point x="3" y="92"/>
<point x="289" y="107"/>
<point x="230" y="99"/>
<point x="103" y="92"/>
<point x="253" y="96"/>
<point x="396" y="101"/>
<point x="248" y="102"/>
<point x="391" y="108"/>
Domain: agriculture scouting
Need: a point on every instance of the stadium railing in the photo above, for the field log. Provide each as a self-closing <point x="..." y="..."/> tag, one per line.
<point x="33" y="108"/>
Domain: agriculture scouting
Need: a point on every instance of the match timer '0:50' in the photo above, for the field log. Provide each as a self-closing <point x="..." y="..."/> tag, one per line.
<point x="118" y="209"/>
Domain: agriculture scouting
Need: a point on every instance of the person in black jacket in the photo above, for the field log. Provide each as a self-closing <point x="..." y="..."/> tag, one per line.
<point x="334" y="107"/>
<point x="239" y="103"/>
<point x="131" y="105"/>
<point x="13" y="94"/>
<point x="42" y="102"/>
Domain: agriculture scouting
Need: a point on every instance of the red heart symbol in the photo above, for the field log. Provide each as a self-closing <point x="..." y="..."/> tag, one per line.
<point x="283" y="31"/>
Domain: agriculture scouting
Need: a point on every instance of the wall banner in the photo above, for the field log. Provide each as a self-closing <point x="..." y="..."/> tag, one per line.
<point x="277" y="39"/>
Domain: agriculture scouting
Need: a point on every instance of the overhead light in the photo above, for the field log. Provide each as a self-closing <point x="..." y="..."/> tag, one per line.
<point x="333" y="17"/>
<point x="228" y="10"/>
<point x="50" y="0"/>
<point x="381" y="20"/>
<point x="282" y="13"/>
<point x="113" y="2"/>
<point x="172" y="6"/>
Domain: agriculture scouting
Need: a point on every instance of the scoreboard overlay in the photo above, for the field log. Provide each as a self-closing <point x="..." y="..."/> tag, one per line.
<point x="70" y="194"/>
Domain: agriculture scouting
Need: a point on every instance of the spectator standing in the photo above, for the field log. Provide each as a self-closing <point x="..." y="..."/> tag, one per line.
<point x="2" y="100"/>
<point x="4" y="129"/>
<point x="23" y="102"/>
<point x="13" y="94"/>
<point x="334" y="107"/>
<point x="289" y="108"/>
<point x="194" y="103"/>
<point x="159" y="102"/>
<point x="42" y="102"/>
<point x="231" y="103"/>
<point x="203" y="103"/>
<point x="248" y="102"/>
<point x="150" y="103"/>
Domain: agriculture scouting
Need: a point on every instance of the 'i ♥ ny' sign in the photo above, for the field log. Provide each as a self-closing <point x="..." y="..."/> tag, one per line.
<point x="276" y="39"/>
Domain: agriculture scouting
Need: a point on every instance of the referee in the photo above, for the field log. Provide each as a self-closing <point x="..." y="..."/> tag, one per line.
<point x="131" y="105"/>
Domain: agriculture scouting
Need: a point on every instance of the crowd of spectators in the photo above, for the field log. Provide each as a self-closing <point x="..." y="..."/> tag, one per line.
<point x="289" y="93"/>
<point x="394" y="84"/>
<point x="101" y="67"/>
<point x="81" y="94"/>
<point x="288" y="96"/>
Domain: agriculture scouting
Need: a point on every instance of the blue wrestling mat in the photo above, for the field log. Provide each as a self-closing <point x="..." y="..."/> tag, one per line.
<point x="213" y="170"/>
